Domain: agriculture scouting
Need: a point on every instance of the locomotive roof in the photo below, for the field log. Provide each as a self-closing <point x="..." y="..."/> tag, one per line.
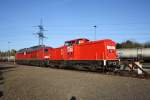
<point x="77" y="39"/>
<point x="32" y="48"/>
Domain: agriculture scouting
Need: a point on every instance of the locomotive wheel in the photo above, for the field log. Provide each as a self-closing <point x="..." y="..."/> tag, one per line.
<point x="61" y="66"/>
<point x="93" y="68"/>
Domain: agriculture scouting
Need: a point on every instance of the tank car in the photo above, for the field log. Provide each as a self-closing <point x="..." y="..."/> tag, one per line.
<point x="135" y="53"/>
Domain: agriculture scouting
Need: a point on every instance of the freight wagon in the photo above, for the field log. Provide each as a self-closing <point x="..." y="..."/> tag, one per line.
<point x="135" y="53"/>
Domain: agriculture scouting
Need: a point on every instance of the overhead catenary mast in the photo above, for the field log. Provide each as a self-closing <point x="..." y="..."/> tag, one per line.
<point x="40" y="33"/>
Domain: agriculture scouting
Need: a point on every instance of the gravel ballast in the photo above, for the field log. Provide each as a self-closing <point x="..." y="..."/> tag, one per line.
<point x="22" y="82"/>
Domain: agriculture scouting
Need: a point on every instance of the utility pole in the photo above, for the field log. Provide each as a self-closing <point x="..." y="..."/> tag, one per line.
<point x="9" y="50"/>
<point x="95" y="32"/>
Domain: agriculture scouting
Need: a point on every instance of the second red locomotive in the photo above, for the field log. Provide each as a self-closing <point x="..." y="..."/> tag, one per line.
<point x="78" y="54"/>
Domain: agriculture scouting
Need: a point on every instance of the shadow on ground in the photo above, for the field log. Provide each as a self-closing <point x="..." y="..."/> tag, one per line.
<point x="1" y="83"/>
<point x="3" y="68"/>
<point x="73" y="98"/>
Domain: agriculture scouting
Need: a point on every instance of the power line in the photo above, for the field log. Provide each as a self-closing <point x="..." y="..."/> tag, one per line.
<point x="40" y="34"/>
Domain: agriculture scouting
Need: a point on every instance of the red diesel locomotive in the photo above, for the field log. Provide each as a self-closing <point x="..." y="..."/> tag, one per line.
<point x="77" y="54"/>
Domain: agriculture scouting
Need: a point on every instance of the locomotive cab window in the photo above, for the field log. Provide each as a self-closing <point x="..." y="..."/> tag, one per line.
<point x="68" y="44"/>
<point x="45" y="50"/>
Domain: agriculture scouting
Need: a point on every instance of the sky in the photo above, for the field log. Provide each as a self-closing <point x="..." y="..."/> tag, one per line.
<point x="118" y="20"/>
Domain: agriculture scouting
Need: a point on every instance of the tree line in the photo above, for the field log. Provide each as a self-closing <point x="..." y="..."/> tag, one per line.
<point x="11" y="52"/>
<point x="133" y="44"/>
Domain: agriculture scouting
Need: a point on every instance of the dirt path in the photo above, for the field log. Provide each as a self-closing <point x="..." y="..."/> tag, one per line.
<point x="34" y="83"/>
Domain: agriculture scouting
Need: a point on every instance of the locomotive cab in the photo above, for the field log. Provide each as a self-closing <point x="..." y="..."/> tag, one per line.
<point x="76" y="41"/>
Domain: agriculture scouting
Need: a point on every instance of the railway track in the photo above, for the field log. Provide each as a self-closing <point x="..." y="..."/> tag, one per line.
<point x="122" y="73"/>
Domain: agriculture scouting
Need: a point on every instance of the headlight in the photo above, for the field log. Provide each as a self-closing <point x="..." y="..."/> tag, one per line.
<point x="46" y="57"/>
